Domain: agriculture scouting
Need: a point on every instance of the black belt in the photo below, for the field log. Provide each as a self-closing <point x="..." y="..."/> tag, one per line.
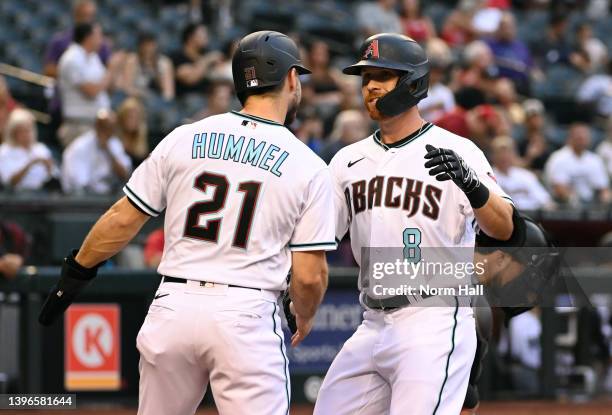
<point x="202" y="283"/>
<point x="391" y="303"/>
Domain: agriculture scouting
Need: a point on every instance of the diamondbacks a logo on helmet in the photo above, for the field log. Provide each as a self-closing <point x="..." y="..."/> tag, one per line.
<point x="250" y="76"/>
<point x="372" y="51"/>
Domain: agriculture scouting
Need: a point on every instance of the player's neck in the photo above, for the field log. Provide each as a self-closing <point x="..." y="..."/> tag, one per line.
<point x="263" y="107"/>
<point x="394" y="129"/>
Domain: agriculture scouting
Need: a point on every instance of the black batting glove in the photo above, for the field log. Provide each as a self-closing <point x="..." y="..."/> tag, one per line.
<point x="445" y="164"/>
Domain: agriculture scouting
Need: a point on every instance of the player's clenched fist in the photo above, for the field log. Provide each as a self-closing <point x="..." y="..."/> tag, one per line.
<point x="445" y="164"/>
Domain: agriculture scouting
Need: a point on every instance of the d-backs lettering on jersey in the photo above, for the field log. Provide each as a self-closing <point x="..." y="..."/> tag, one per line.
<point x="240" y="193"/>
<point x="382" y="190"/>
<point x="413" y="196"/>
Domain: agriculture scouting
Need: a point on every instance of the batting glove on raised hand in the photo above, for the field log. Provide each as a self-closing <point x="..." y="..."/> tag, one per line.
<point x="445" y="164"/>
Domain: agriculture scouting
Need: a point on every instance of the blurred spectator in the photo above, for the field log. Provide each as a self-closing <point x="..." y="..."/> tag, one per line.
<point x="474" y="119"/>
<point x="576" y="174"/>
<point x="597" y="91"/>
<point x="219" y="101"/>
<point x="521" y="345"/>
<point x="350" y="126"/>
<point x="83" y="11"/>
<point x="25" y="164"/>
<point x="486" y="19"/>
<point x="440" y="98"/>
<point x="378" y="16"/>
<point x="553" y="48"/>
<point x="521" y="185"/>
<point x="222" y="71"/>
<point x="83" y="82"/>
<point x="534" y="147"/>
<point x="147" y="71"/>
<point x="416" y="25"/>
<point x="604" y="150"/>
<point x="14" y="249"/>
<point x="96" y="162"/>
<point x="132" y="130"/>
<point x="595" y="49"/>
<point x="598" y="9"/>
<point x="350" y="88"/>
<point x="310" y="129"/>
<point x="505" y="96"/>
<point x="458" y="29"/>
<point x="193" y="63"/>
<point x="154" y="248"/>
<point x="512" y="56"/>
<point x="324" y="79"/>
<point x="455" y="120"/>
<point x="478" y="68"/>
<point x="7" y="105"/>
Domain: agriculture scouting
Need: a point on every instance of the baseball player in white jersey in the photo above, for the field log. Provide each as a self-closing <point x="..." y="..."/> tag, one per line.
<point x="245" y="201"/>
<point x="409" y="185"/>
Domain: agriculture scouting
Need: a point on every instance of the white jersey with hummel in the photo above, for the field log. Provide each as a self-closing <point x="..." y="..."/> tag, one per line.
<point x="240" y="192"/>
<point x="381" y="190"/>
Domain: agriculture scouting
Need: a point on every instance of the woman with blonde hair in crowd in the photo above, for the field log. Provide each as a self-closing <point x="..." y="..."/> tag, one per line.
<point x="132" y="130"/>
<point x="25" y="164"/>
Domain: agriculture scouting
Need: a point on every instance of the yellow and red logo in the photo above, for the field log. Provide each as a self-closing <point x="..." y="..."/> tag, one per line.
<point x="92" y="347"/>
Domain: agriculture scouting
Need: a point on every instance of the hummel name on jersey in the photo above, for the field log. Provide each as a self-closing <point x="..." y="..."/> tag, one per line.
<point x="216" y="145"/>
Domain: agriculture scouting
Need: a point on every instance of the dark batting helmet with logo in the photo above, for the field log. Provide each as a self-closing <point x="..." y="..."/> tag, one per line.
<point x="531" y="246"/>
<point x="400" y="53"/>
<point x="263" y="59"/>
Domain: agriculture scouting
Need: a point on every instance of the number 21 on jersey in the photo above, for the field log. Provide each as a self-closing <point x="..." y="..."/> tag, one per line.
<point x="210" y="230"/>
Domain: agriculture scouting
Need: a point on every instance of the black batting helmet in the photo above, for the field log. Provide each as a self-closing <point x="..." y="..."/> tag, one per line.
<point x="533" y="248"/>
<point x="263" y="59"/>
<point x="400" y="53"/>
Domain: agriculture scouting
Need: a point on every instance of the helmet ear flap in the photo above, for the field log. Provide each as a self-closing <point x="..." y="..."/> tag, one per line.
<point x="404" y="96"/>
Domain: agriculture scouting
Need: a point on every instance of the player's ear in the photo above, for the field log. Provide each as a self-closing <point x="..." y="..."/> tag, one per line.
<point x="292" y="80"/>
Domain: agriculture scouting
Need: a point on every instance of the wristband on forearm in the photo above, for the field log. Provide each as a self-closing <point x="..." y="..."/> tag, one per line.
<point x="479" y="196"/>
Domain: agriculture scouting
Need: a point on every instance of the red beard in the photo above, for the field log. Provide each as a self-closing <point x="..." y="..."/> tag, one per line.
<point x="374" y="113"/>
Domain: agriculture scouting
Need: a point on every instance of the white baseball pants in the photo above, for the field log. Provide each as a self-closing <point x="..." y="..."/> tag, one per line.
<point x="415" y="361"/>
<point x="230" y="337"/>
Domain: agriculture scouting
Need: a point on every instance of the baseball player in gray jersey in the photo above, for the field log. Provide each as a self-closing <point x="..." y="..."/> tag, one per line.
<point x="245" y="201"/>
<point x="410" y="185"/>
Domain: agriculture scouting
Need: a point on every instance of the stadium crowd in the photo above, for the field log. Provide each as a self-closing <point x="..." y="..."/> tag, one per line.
<point x="530" y="82"/>
<point x="533" y="93"/>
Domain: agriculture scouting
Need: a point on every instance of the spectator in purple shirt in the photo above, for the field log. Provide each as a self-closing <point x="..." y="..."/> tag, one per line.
<point x="83" y="11"/>
<point x="512" y="56"/>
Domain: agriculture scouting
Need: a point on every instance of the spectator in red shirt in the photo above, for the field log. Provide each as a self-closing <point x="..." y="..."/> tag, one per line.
<point x="154" y="248"/>
<point x="474" y="119"/>
<point x="415" y="24"/>
<point x="456" y="120"/>
<point x="458" y="29"/>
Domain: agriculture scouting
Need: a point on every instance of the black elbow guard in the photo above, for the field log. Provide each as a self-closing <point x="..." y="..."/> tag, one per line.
<point x="74" y="278"/>
<point x="517" y="238"/>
